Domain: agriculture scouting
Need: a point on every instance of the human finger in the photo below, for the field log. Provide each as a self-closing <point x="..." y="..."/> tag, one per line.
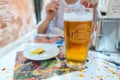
<point x="52" y="7"/>
<point x="56" y="2"/>
<point x="93" y="4"/>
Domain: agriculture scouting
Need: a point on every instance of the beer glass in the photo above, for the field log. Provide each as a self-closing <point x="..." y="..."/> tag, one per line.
<point x="77" y="31"/>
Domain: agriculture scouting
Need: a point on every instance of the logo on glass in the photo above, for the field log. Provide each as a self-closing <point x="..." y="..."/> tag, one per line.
<point x="80" y="33"/>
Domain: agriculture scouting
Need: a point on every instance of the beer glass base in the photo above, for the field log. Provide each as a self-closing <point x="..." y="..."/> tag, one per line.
<point x="76" y="66"/>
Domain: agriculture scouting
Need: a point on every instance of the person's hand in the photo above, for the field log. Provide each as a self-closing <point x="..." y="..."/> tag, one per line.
<point x="52" y="8"/>
<point x="90" y="3"/>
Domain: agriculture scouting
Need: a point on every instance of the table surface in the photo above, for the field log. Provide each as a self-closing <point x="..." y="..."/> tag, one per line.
<point x="101" y="66"/>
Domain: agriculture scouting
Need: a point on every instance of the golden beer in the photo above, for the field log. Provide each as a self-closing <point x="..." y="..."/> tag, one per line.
<point x="77" y="33"/>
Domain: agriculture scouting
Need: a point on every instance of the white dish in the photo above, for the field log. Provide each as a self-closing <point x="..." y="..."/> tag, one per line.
<point x="50" y="52"/>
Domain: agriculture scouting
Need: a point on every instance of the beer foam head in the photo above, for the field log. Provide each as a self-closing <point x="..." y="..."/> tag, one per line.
<point x="74" y="17"/>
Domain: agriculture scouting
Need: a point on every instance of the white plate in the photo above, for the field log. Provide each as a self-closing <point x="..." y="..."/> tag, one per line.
<point x="50" y="52"/>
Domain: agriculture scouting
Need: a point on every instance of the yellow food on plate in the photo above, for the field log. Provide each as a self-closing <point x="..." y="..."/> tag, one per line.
<point x="39" y="50"/>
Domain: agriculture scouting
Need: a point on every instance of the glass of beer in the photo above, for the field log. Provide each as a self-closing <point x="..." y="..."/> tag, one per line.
<point x="77" y="31"/>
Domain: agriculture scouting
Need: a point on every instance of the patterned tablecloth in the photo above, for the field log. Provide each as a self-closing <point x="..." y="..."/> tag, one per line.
<point x="96" y="68"/>
<point x="99" y="65"/>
